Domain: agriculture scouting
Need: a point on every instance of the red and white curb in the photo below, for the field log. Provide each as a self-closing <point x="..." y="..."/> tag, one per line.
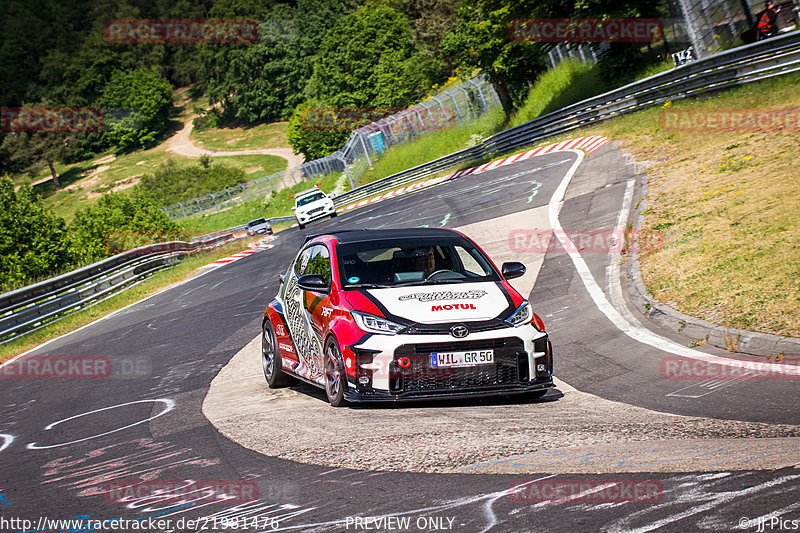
<point x="254" y="247"/>
<point x="587" y="144"/>
<point x="237" y="256"/>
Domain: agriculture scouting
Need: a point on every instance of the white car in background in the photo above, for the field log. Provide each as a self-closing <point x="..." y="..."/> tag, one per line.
<point x="312" y="204"/>
<point x="259" y="226"/>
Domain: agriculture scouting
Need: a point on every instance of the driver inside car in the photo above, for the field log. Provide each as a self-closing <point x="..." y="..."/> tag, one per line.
<point x="425" y="260"/>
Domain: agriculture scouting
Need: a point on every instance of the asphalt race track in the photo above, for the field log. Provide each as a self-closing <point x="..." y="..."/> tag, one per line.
<point x="648" y="451"/>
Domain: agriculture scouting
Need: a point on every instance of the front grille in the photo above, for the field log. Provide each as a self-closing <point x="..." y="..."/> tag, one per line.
<point x="509" y="354"/>
<point x="315" y="211"/>
<point x="438" y="329"/>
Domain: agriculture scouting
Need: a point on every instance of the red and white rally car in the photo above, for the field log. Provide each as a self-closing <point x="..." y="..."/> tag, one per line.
<point x="377" y="315"/>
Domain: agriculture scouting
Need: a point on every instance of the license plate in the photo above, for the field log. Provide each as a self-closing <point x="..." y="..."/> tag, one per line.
<point x="455" y="359"/>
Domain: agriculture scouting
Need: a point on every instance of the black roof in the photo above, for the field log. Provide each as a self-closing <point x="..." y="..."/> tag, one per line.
<point x="362" y="235"/>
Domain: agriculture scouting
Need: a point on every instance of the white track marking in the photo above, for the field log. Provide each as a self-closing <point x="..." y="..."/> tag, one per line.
<point x="718" y="499"/>
<point x="169" y="405"/>
<point x="7" y="440"/>
<point x="637" y="333"/>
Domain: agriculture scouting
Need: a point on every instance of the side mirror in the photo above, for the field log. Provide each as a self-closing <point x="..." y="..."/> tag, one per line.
<point x="293" y="208"/>
<point x="312" y="282"/>
<point x="513" y="269"/>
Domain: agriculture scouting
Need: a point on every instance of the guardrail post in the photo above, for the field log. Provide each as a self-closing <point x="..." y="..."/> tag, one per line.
<point x="364" y="146"/>
<point x="690" y="29"/>
<point x="469" y="104"/>
<point x="455" y="104"/>
<point x="214" y="198"/>
<point x="182" y="210"/>
<point x="441" y="106"/>
<point x="347" y="171"/>
<point x="480" y="93"/>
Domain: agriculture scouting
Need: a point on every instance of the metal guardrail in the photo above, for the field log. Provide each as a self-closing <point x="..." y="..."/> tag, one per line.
<point x="747" y="64"/>
<point x="30" y="308"/>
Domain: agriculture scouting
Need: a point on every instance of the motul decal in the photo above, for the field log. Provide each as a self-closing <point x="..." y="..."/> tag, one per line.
<point x="445" y="295"/>
<point x="287" y="347"/>
<point x="451" y="307"/>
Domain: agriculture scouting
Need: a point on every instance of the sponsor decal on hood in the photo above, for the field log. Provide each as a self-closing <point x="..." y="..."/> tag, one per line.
<point x="444" y="295"/>
<point x="466" y="302"/>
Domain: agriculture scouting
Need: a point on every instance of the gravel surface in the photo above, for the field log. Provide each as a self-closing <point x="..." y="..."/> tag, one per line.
<point x="483" y="435"/>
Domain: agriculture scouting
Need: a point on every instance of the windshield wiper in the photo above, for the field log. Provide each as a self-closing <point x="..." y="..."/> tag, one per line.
<point x="431" y="282"/>
<point x="366" y="286"/>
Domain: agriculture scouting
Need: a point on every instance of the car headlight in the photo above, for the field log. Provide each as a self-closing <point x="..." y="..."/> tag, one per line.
<point x="375" y="324"/>
<point x="523" y="315"/>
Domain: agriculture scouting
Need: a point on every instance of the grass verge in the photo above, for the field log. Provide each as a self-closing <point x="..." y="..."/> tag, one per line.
<point x="277" y="205"/>
<point x="151" y="285"/>
<point x="569" y="82"/>
<point x="727" y="205"/>
<point x="242" y="138"/>
<point x="433" y="146"/>
<point x="83" y="184"/>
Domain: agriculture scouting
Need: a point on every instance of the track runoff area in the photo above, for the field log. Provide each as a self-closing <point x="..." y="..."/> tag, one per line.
<point x="163" y="422"/>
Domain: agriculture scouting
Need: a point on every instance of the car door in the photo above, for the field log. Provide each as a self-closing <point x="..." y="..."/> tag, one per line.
<point x="302" y="308"/>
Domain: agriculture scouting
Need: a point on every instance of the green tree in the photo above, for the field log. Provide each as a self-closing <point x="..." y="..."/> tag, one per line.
<point x="373" y="40"/>
<point x="266" y="80"/>
<point x="135" y="107"/>
<point x="431" y="21"/>
<point x="315" y="130"/>
<point x="98" y="229"/>
<point x="30" y="150"/>
<point x="252" y="81"/>
<point x="33" y="242"/>
<point x="481" y="40"/>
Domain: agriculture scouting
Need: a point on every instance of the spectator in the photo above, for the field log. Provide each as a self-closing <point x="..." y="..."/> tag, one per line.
<point x="766" y="24"/>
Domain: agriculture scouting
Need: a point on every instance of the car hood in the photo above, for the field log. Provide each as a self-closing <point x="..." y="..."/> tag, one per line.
<point x="455" y="302"/>
<point x="313" y="205"/>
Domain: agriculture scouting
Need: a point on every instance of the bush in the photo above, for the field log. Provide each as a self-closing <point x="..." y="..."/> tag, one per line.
<point x="207" y="120"/>
<point x="171" y="183"/>
<point x="96" y="230"/>
<point x="33" y="242"/>
<point x="316" y="130"/>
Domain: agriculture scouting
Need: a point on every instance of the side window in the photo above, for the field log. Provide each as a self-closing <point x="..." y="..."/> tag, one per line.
<point x="319" y="262"/>
<point x="471" y="266"/>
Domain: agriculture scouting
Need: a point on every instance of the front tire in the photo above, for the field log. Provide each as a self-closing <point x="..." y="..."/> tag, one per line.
<point x="335" y="376"/>
<point x="334" y="214"/>
<point x="271" y="358"/>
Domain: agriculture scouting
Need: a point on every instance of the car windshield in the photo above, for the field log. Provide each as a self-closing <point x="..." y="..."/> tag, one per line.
<point x="256" y="222"/>
<point x="400" y="262"/>
<point x="310" y="198"/>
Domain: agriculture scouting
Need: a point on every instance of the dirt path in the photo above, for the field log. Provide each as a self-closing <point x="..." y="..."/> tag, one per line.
<point x="181" y="143"/>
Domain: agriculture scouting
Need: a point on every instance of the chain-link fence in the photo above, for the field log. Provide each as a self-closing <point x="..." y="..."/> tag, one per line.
<point x="461" y="103"/>
<point x="710" y="26"/>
